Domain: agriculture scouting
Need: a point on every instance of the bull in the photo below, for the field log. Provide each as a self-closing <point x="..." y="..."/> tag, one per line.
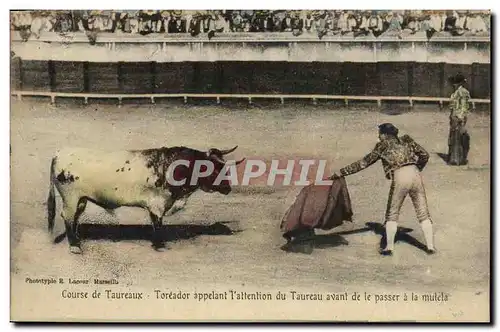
<point x="144" y="179"/>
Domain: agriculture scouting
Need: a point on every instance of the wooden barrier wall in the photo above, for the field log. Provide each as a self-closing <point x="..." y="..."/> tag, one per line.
<point x="347" y="78"/>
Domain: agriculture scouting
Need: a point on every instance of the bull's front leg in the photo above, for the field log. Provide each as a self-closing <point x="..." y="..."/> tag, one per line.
<point x="157" y="210"/>
<point x="178" y="205"/>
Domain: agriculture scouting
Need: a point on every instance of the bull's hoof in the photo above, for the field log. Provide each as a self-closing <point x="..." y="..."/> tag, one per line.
<point x="75" y="250"/>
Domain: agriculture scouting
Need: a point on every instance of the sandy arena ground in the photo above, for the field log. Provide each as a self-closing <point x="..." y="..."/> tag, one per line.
<point x="204" y="253"/>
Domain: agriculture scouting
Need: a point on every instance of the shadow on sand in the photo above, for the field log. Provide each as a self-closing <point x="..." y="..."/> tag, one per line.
<point x="337" y="239"/>
<point x="328" y="241"/>
<point x="443" y="156"/>
<point x="401" y="235"/>
<point x="144" y="232"/>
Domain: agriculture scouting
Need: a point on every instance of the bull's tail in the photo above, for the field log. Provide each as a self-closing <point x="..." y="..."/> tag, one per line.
<point x="51" y="200"/>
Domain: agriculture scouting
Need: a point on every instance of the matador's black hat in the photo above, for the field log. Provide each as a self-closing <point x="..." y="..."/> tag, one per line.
<point x="388" y="129"/>
<point x="457" y="79"/>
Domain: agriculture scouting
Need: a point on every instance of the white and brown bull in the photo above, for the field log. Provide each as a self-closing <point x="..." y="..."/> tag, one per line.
<point x="156" y="180"/>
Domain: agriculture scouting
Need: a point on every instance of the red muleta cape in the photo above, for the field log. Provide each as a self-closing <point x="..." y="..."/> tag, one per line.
<point x="319" y="206"/>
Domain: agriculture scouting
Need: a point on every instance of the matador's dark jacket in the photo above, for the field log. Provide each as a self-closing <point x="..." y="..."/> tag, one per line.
<point x="395" y="153"/>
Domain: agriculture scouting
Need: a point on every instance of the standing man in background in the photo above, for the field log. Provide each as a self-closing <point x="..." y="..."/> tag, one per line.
<point x="403" y="160"/>
<point x="458" y="139"/>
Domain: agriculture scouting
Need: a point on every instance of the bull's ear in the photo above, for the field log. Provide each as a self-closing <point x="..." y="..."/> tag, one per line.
<point x="211" y="151"/>
<point x="216" y="158"/>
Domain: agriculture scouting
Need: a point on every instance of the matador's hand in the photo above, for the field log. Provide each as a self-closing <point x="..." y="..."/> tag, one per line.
<point x="335" y="176"/>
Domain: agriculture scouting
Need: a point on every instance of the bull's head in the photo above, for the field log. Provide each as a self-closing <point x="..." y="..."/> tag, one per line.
<point x="194" y="175"/>
<point x="216" y="156"/>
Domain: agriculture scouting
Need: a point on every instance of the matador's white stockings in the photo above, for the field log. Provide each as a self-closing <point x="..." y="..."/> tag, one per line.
<point x="428" y="233"/>
<point x="391" y="228"/>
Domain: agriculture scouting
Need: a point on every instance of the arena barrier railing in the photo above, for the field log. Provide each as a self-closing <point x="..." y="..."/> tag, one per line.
<point x="249" y="97"/>
<point x="236" y="37"/>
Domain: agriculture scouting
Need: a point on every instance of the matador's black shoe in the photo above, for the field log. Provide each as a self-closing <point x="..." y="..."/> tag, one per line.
<point x="430" y="251"/>
<point x="385" y="252"/>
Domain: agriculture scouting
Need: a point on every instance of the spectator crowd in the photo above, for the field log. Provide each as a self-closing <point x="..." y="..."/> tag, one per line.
<point x="353" y="23"/>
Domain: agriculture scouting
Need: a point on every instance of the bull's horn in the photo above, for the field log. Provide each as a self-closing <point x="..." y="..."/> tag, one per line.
<point x="236" y="163"/>
<point x="239" y="161"/>
<point x="224" y="152"/>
